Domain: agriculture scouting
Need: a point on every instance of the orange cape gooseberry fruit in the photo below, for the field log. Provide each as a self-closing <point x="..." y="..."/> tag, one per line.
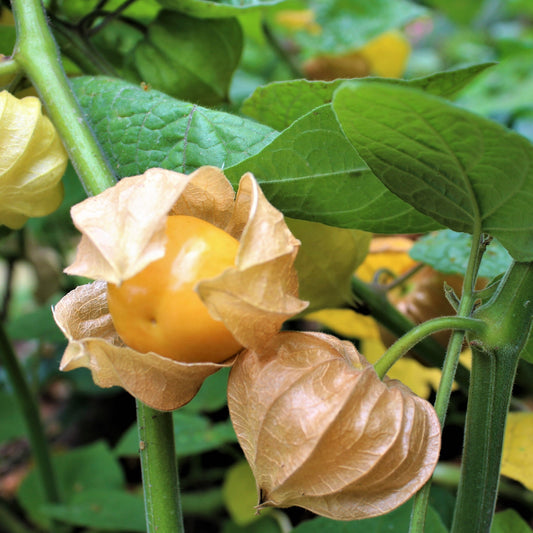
<point x="158" y="310"/>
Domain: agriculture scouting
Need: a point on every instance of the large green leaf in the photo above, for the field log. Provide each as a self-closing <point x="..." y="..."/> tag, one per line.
<point x="13" y="423"/>
<point x="457" y="167"/>
<point x="349" y="24"/>
<point x="190" y="58"/>
<point x="106" y="509"/>
<point x="458" y="10"/>
<point x="279" y="104"/>
<point x="77" y="471"/>
<point x="217" y="9"/>
<point x="141" y="129"/>
<point x="311" y="172"/>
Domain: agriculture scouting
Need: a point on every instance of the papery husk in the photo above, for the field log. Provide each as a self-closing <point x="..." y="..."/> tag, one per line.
<point x="123" y="231"/>
<point x="157" y="381"/>
<point x="321" y="431"/>
<point x="32" y="162"/>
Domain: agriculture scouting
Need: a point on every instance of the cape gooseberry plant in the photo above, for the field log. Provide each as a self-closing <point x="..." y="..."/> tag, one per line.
<point x="212" y="229"/>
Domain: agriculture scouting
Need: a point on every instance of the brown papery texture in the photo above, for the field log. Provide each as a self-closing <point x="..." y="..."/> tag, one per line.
<point x="322" y="431"/>
<point x="123" y="232"/>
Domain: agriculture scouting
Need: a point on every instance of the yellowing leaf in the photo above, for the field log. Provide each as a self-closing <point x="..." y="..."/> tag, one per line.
<point x="517" y="458"/>
<point x="420" y="379"/>
<point x="347" y="323"/>
<point x="240" y="494"/>
<point x="32" y="161"/>
<point x="387" y="54"/>
<point x="326" y="261"/>
<point x="299" y="19"/>
<point x="391" y="253"/>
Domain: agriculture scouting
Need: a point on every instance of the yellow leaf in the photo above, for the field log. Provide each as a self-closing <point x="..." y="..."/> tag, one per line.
<point x="517" y="458"/>
<point x="387" y="54"/>
<point x="347" y="323"/>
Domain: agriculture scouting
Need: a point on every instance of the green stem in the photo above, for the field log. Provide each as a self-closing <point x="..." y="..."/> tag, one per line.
<point x="159" y="470"/>
<point x="429" y="350"/>
<point x="495" y="357"/>
<point x="414" y="336"/>
<point x="36" y="52"/>
<point x="449" y="370"/>
<point x="30" y="411"/>
<point x="9" y="68"/>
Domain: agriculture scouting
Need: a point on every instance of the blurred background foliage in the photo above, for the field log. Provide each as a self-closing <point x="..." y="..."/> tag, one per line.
<point x="217" y="54"/>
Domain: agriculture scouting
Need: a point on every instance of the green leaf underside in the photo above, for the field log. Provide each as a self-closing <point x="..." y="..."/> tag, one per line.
<point x="216" y="9"/>
<point x="311" y="172"/>
<point x="193" y="434"/>
<point x="141" y="129"/>
<point x="457" y="167"/>
<point x="214" y="44"/>
<point x="279" y="104"/>
<point x="349" y="24"/>
<point x="447" y="251"/>
<point x="507" y="521"/>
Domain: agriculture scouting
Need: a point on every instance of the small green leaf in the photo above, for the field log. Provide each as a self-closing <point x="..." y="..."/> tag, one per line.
<point x="349" y="24"/>
<point x="311" y="172"/>
<point x="509" y="521"/>
<point x="217" y="9"/>
<point x="447" y="251"/>
<point x="265" y="524"/>
<point x="326" y="261"/>
<point x="144" y="129"/>
<point x="279" y="104"/>
<point x="209" y="52"/>
<point x="458" y="10"/>
<point x="459" y="168"/>
<point x="193" y="434"/>
<point x="102" y="509"/>
<point x="240" y="494"/>
<point x="77" y="471"/>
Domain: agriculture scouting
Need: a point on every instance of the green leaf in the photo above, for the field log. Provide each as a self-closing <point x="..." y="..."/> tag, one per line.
<point x="13" y="424"/>
<point x="458" y="10"/>
<point x="506" y="88"/>
<point x="397" y="521"/>
<point x="265" y="524"/>
<point x="216" y="9"/>
<point x="311" y="172"/>
<point x="326" y="261"/>
<point x="193" y="434"/>
<point x="212" y="396"/>
<point x="240" y="494"/>
<point x="447" y="251"/>
<point x="141" y="129"/>
<point x="140" y="9"/>
<point x="209" y="52"/>
<point x="77" y="471"/>
<point x="507" y="521"/>
<point x="103" y="509"/>
<point x="349" y="24"/>
<point x="279" y="104"/>
<point x="38" y="324"/>
<point x="457" y="167"/>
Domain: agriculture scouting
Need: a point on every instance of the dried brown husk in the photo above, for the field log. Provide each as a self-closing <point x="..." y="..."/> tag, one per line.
<point x="322" y="431"/>
<point x="123" y="231"/>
